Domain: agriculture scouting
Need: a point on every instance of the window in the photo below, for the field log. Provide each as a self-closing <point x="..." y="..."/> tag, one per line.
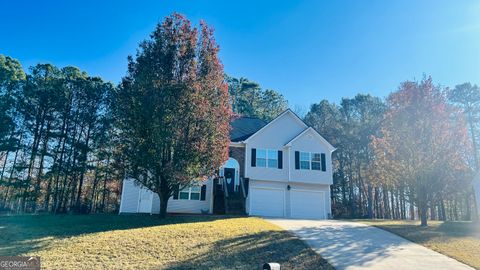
<point x="267" y="158"/>
<point x="195" y="193"/>
<point x="316" y="162"/>
<point x="304" y="161"/>
<point x="261" y="158"/>
<point x="190" y="193"/>
<point x="272" y="158"/>
<point x="310" y="161"/>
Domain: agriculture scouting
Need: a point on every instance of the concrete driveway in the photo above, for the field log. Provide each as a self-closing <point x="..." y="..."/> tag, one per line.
<point x="350" y="245"/>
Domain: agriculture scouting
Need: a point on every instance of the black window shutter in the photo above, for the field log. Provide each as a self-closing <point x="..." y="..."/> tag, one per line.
<point x="175" y="192"/>
<point x="297" y="160"/>
<point x="254" y="157"/>
<point x="280" y="159"/>
<point x="324" y="163"/>
<point x="203" y="192"/>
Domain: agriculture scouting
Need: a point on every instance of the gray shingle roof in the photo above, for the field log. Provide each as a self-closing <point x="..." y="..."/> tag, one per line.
<point x="244" y="127"/>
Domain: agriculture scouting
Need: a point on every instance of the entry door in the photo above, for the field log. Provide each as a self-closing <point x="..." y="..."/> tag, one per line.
<point x="145" y="201"/>
<point x="229" y="174"/>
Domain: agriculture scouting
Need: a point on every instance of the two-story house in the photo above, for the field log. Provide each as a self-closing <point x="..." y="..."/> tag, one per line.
<point x="278" y="169"/>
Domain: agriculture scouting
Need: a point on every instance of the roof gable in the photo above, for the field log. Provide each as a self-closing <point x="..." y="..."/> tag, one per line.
<point x="316" y="134"/>
<point x="286" y="113"/>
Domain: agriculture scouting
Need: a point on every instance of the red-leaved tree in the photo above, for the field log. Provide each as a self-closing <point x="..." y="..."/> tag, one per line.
<point x="173" y="108"/>
<point x="424" y="144"/>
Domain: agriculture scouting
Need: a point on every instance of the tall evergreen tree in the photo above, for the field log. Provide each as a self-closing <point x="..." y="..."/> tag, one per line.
<point x="249" y="99"/>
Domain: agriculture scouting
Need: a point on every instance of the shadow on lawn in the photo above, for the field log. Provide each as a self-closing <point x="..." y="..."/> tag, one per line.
<point x="29" y="233"/>
<point x="250" y="251"/>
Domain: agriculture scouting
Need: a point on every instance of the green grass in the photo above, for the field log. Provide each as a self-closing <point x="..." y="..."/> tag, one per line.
<point x="459" y="240"/>
<point x="146" y="242"/>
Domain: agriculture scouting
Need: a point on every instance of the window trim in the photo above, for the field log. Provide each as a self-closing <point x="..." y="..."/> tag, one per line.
<point x="310" y="161"/>
<point x="190" y="193"/>
<point x="319" y="162"/>
<point x="267" y="157"/>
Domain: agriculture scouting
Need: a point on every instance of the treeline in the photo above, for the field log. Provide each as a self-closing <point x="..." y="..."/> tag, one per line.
<point x="60" y="150"/>
<point x="56" y="141"/>
<point x="405" y="157"/>
<point x="412" y="155"/>
<point x="248" y="98"/>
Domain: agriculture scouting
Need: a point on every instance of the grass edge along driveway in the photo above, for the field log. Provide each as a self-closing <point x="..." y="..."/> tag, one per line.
<point x="458" y="240"/>
<point x="146" y="242"/>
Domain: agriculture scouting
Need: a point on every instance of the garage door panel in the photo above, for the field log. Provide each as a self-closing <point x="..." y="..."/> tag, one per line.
<point x="307" y="204"/>
<point x="267" y="202"/>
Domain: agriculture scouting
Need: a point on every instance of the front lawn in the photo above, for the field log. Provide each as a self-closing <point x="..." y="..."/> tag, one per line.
<point x="145" y="242"/>
<point x="459" y="240"/>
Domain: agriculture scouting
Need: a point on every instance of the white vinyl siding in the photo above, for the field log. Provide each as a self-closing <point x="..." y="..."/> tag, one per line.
<point x="130" y="200"/>
<point x="273" y="137"/>
<point x="130" y="197"/>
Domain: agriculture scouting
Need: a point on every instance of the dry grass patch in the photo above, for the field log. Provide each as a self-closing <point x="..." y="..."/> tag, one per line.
<point x="459" y="240"/>
<point x="145" y="242"/>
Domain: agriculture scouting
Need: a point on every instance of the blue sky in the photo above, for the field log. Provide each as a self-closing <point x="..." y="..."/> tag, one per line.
<point x="307" y="50"/>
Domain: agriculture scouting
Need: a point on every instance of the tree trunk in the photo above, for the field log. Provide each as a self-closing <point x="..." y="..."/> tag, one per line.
<point x="40" y="167"/>
<point x="94" y="188"/>
<point x="442" y="209"/>
<point x="411" y="201"/>
<point x="423" y="214"/>
<point x="392" y="199"/>
<point x="476" y="212"/>
<point x="36" y="142"/>
<point x="386" y="203"/>
<point x="455" y="209"/>
<point x="370" y="201"/>
<point x="48" y="191"/>
<point x="12" y="134"/>
<point x="474" y="138"/>
<point x="403" y="210"/>
<point x="163" y="203"/>
<point x="7" y="190"/>
<point x="433" y="215"/>
<point x="412" y="212"/>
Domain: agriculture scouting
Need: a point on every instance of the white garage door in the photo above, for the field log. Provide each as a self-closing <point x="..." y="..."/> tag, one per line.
<point x="267" y="202"/>
<point x="307" y="204"/>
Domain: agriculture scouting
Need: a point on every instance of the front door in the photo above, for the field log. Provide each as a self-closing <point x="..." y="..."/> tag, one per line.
<point x="230" y="179"/>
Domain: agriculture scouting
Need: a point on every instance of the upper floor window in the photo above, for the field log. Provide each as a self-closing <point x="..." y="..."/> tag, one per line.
<point x="310" y="161"/>
<point x="267" y="158"/>
<point x="305" y="160"/>
<point x="316" y="161"/>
